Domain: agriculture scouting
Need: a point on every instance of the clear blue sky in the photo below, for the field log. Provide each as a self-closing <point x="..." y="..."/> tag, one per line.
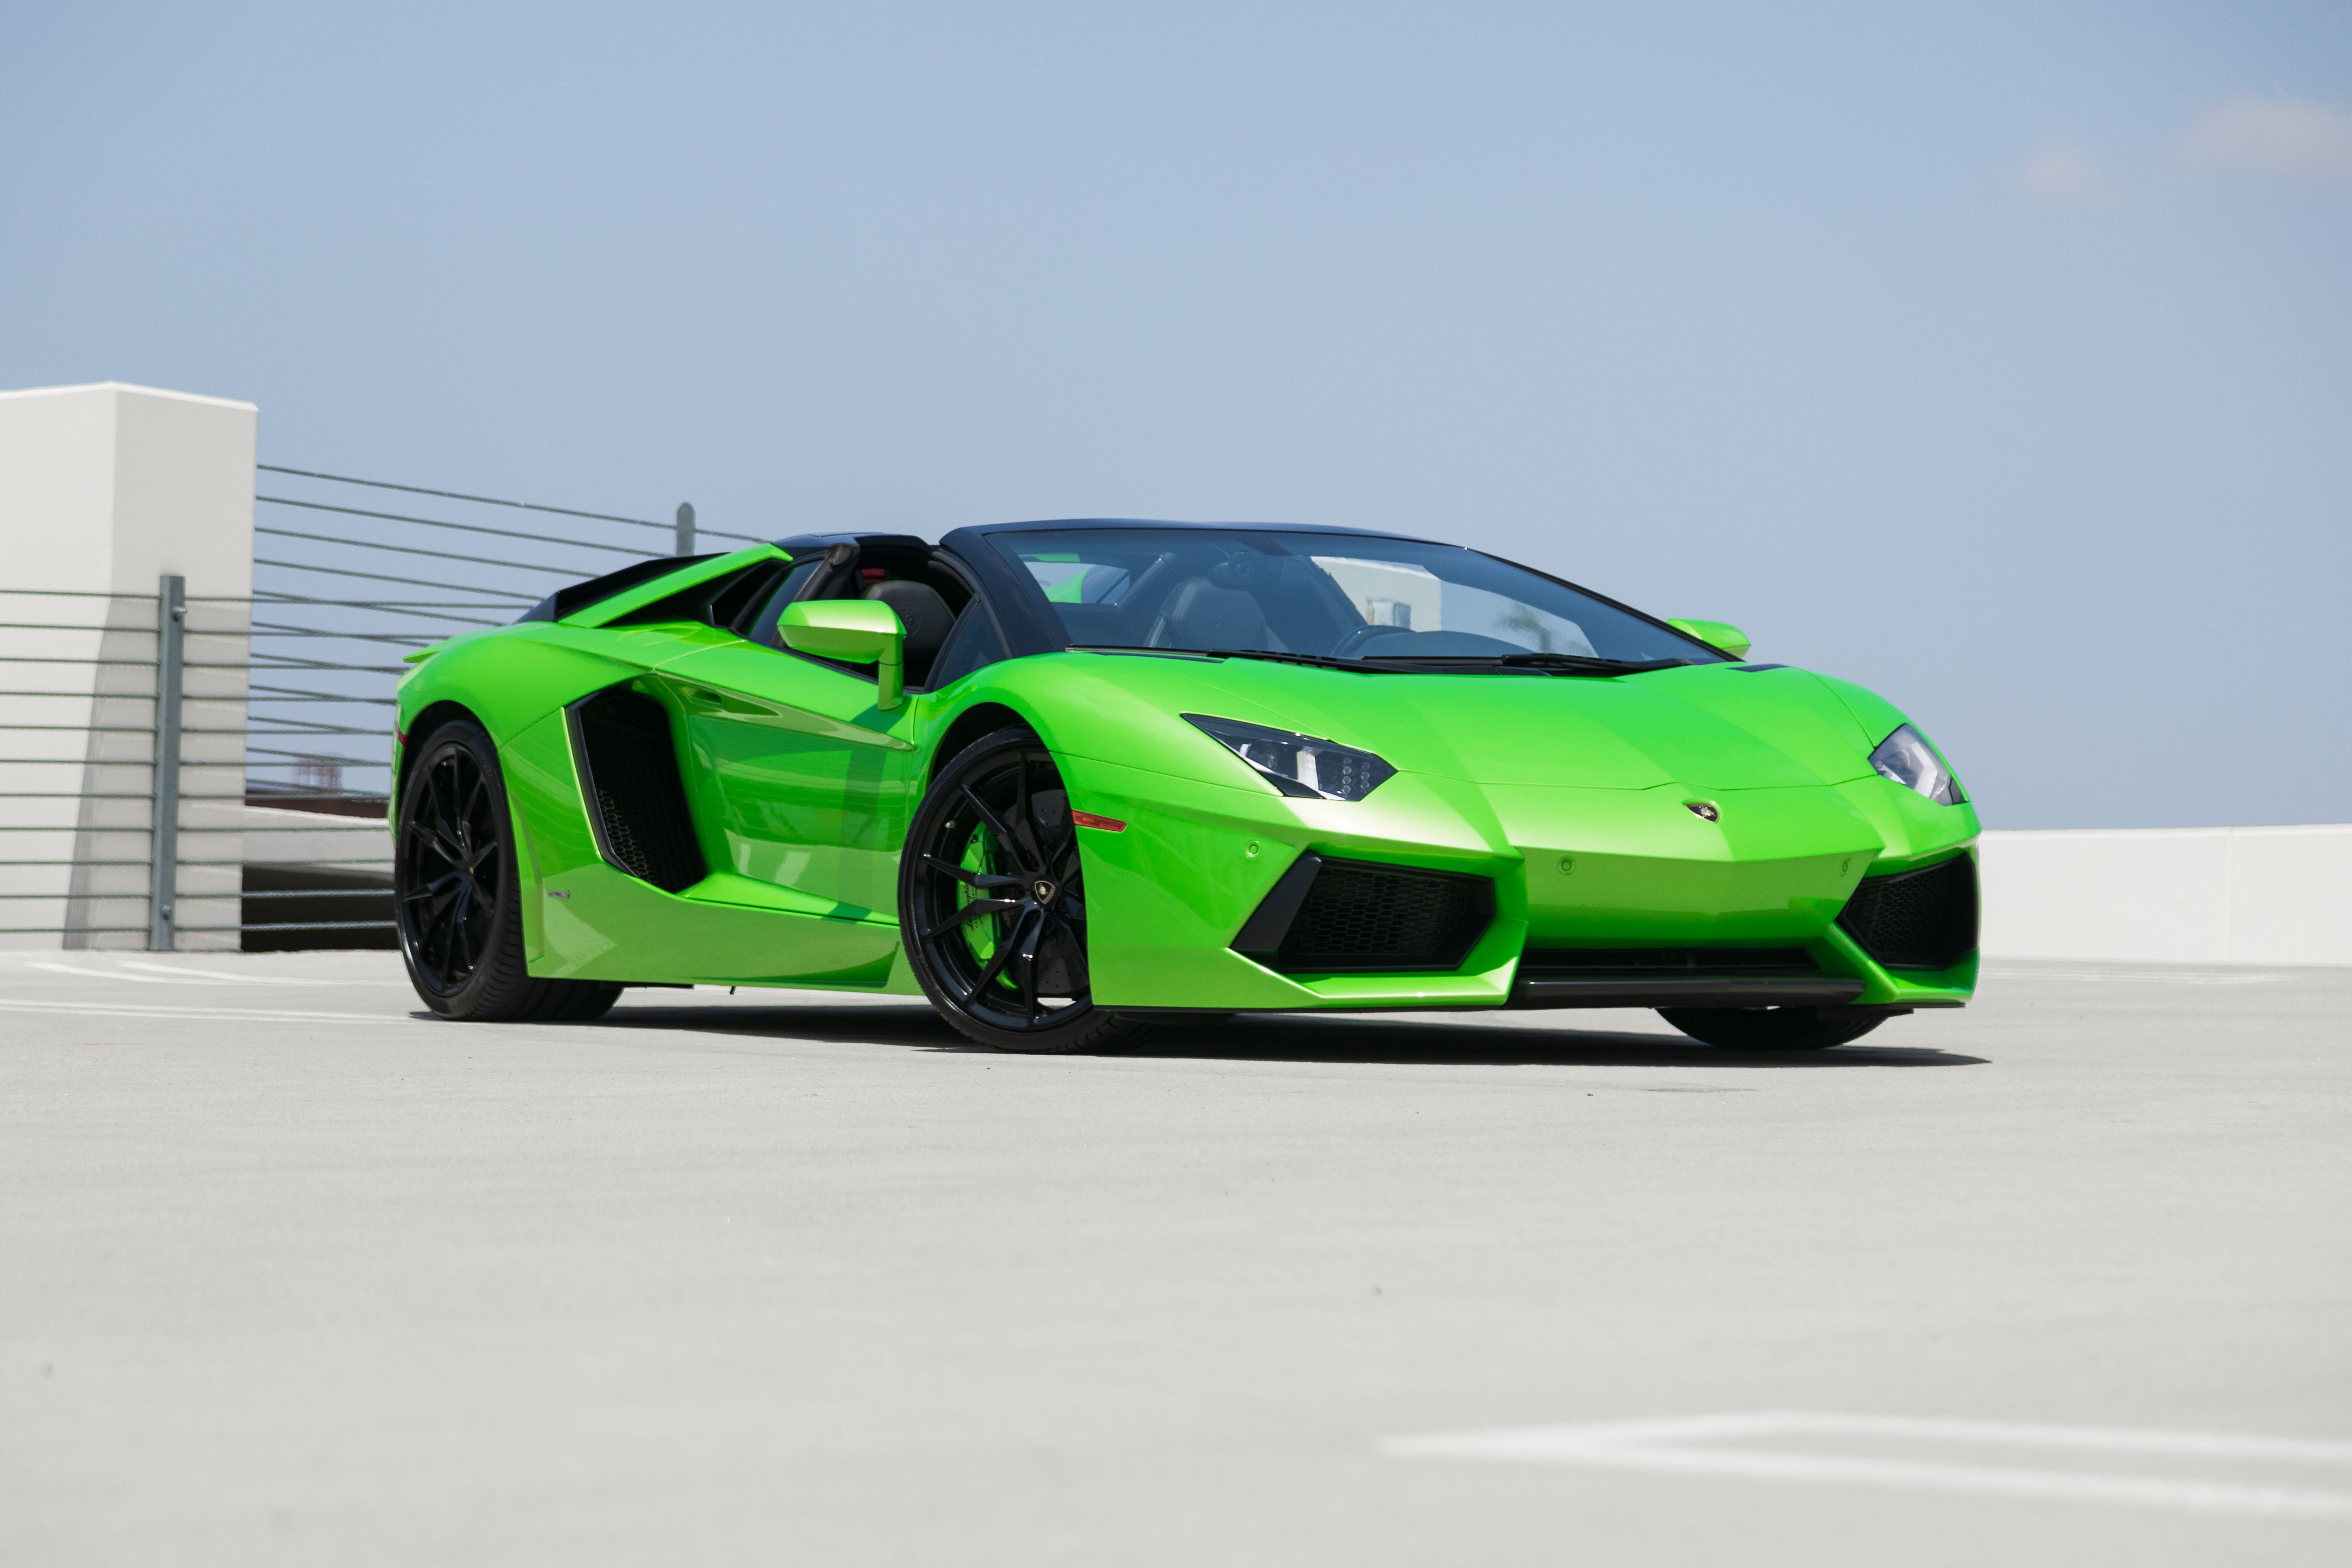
<point x="1998" y="357"/>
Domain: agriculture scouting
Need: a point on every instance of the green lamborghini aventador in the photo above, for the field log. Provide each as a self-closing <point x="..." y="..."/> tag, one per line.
<point x="1073" y="781"/>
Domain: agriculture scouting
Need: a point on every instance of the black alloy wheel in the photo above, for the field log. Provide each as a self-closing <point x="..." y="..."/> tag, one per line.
<point x="992" y="904"/>
<point x="1772" y="1029"/>
<point x="450" y="848"/>
<point x="455" y="892"/>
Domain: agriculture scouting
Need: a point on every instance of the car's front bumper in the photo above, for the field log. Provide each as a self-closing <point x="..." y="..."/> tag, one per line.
<point x="1571" y="869"/>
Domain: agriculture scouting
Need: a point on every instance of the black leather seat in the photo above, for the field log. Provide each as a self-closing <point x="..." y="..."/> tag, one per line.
<point x="1200" y="614"/>
<point x="924" y="615"/>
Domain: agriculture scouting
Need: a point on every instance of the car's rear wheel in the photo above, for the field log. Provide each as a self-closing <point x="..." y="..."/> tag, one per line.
<point x="992" y="904"/>
<point x="1771" y="1028"/>
<point x="459" y="898"/>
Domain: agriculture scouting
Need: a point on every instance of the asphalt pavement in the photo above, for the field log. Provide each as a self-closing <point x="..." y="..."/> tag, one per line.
<point x="292" y="1274"/>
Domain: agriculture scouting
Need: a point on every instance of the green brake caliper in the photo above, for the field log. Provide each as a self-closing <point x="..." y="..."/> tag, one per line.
<point x="981" y="934"/>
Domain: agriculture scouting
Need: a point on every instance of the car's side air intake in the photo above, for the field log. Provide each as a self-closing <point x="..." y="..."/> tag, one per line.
<point x="1918" y="920"/>
<point x="636" y="803"/>
<point x="1354" y="917"/>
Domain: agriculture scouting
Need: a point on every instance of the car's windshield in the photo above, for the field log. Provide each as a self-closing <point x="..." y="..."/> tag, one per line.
<point x="1319" y="596"/>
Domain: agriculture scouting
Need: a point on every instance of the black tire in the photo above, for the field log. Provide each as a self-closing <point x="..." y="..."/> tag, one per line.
<point x="458" y="895"/>
<point x="1771" y="1028"/>
<point x="996" y="823"/>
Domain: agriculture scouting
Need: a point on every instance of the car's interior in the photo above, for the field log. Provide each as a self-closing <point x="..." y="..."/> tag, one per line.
<point x="1323" y="596"/>
<point x="1220" y="595"/>
<point x="1209" y="596"/>
<point x="1184" y="590"/>
<point x="929" y="597"/>
<point x="932" y="599"/>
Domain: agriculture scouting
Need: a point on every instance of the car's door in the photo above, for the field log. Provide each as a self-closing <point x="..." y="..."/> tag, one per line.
<point x="810" y="781"/>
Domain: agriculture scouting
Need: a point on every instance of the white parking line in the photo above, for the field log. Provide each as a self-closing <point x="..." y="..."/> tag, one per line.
<point x="182" y="976"/>
<point x="137" y="1010"/>
<point x="214" y="977"/>
<point x="101" y="973"/>
<point x="1685" y="1445"/>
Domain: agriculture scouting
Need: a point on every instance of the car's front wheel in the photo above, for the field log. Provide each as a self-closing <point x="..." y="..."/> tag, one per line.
<point x="992" y="904"/>
<point x="456" y="895"/>
<point x="1772" y="1029"/>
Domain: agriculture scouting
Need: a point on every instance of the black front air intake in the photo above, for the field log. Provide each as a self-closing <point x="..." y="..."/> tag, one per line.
<point x="1355" y="917"/>
<point x="1919" y="920"/>
<point x="636" y="802"/>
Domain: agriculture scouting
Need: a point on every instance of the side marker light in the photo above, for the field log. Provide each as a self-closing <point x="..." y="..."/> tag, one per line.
<point x="1106" y="824"/>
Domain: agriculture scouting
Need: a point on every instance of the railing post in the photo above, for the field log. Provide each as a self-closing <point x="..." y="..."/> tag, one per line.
<point x="164" y="846"/>
<point x="685" y="529"/>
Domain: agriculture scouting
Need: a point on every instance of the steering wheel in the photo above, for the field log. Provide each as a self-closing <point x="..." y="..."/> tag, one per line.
<point x="1346" y="646"/>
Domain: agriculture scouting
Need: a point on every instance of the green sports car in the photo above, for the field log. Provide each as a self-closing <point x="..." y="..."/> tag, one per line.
<point x="1074" y="781"/>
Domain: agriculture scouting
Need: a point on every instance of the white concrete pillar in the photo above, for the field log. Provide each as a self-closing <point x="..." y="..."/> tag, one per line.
<point x="103" y="490"/>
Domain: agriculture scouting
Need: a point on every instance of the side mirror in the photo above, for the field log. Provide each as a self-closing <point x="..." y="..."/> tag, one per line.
<point x="860" y="631"/>
<point x="1715" y="634"/>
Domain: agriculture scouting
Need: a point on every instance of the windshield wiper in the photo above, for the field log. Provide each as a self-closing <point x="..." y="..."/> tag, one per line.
<point x="1311" y="660"/>
<point x="1407" y="663"/>
<point x="1550" y="663"/>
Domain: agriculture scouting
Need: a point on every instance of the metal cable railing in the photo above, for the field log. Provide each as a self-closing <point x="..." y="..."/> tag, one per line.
<point x="328" y="610"/>
<point x="218" y="768"/>
<point x="96" y="714"/>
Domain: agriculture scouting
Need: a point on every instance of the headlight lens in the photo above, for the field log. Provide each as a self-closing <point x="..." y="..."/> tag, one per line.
<point x="1297" y="764"/>
<point x="1907" y="759"/>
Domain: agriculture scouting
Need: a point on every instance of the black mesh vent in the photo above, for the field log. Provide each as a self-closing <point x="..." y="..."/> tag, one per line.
<point x="1661" y="963"/>
<point x="635" y="792"/>
<point x="1357" y="916"/>
<point x="1920" y="919"/>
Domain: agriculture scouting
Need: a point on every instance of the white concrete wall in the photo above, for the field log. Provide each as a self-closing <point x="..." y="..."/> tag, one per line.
<point x="104" y="488"/>
<point x="2180" y="895"/>
<point x="309" y="837"/>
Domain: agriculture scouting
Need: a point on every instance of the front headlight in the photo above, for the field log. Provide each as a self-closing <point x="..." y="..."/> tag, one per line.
<point x="1296" y="764"/>
<point x="1907" y="759"/>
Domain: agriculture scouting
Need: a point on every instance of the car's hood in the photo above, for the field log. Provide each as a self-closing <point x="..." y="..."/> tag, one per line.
<point x="1709" y="727"/>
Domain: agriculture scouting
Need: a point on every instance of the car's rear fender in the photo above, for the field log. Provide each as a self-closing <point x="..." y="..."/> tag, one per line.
<point x="510" y="678"/>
